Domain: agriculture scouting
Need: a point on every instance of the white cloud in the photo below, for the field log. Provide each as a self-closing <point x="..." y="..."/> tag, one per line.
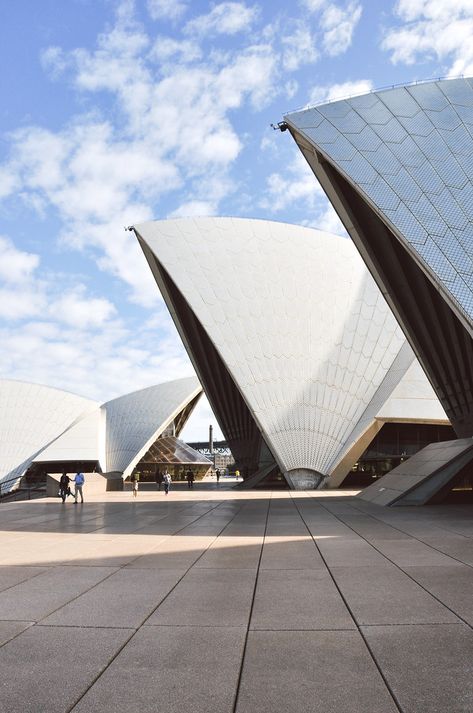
<point x="20" y="303"/>
<point x="314" y="5"/>
<point x="78" y="310"/>
<point x="332" y="92"/>
<point x="169" y="138"/>
<point x="226" y="18"/>
<point x="167" y="48"/>
<point x="193" y="209"/>
<point x="299" y="48"/>
<point x="76" y="340"/>
<point x="433" y="29"/>
<point x="166" y="9"/>
<point x="16" y="266"/>
<point x="338" y="24"/>
<point x="298" y="185"/>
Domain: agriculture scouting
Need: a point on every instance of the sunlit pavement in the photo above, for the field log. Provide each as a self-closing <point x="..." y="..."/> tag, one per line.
<point x="215" y="600"/>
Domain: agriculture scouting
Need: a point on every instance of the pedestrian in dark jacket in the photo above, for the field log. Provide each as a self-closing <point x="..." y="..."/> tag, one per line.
<point x="64" y="487"/>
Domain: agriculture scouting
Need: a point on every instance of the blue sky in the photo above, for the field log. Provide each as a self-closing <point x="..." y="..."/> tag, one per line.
<point x="118" y="112"/>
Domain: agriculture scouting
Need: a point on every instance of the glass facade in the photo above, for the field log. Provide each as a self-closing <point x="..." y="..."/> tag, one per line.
<point x="394" y="443"/>
<point x="175" y="455"/>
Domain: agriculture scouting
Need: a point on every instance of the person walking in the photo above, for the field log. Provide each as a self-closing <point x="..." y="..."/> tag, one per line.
<point x="217" y="473"/>
<point x="79" y="481"/>
<point x="64" y="487"/>
<point x="190" y="478"/>
<point x="135" y="479"/>
<point x="167" y="481"/>
<point x="159" y="478"/>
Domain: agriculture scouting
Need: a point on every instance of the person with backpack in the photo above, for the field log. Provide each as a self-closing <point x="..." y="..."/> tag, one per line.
<point x="167" y="481"/>
<point x="64" y="487"/>
<point x="79" y="484"/>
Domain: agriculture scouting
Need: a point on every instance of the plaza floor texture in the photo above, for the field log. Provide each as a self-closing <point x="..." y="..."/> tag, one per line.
<point x="219" y="601"/>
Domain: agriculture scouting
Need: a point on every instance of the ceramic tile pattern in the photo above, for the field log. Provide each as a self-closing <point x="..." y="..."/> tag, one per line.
<point x="409" y="151"/>
<point x="298" y="322"/>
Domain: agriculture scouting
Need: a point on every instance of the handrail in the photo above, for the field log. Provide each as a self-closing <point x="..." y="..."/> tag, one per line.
<point x="28" y="487"/>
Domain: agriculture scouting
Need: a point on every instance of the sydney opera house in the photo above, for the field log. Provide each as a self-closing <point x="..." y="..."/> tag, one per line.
<point x="296" y="348"/>
<point x="397" y="166"/>
<point x="316" y="351"/>
<point x="47" y="431"/>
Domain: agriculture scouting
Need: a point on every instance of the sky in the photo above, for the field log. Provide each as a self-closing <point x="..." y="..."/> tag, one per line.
<point x="119" y="111"/>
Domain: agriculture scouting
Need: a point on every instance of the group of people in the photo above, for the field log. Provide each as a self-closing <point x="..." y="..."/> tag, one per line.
<point x="161" y="478"/>
<point x="65" y="487"/>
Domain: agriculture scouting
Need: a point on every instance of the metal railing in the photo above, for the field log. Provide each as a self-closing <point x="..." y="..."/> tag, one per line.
<point x="373" y="90"/>
<point x="24" y="491"/>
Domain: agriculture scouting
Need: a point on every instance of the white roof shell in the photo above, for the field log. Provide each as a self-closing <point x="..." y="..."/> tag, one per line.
<point x="42" y="424"/>
<point x="298" y="322"/>
<point x="31" y="417"/>
<point x="134" y="421"/>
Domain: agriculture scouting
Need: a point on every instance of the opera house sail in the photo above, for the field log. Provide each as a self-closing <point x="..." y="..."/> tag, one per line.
<point x="295" y="346"/>
<point x="397" y="165"/>
<point x="47" y="430"/>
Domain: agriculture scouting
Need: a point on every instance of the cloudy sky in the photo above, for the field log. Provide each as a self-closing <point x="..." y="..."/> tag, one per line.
<point x="114" y="112"/>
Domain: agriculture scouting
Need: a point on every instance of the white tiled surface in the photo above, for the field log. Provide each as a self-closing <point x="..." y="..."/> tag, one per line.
<point x="410" y="151"/>
<point x="297" y="320"/>
<point x="38" y="423"/>
<point x="134" y="421"/>
<point x="31" y="416"/>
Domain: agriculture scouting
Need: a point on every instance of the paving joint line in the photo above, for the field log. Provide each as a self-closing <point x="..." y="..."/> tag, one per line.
<point x="441" y="525"/>
<point x="413" y="537"/>
<point x="250" y="614"/>
<point x="118" y="569"/>
<point x="403" y="571"/>
<point x="136" y="629"/>
<point x="358" y="628"/>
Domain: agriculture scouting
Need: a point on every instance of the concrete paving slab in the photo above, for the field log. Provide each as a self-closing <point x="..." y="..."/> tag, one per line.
<point x="349" y="552"/>
<point x="49" y="668"/>
<point x="429" y="668"/>
<point x="208" y="597"/>
<point x="411" y="552"/>
<point x="12" y="575"/>
<point x="178" y="552"/>
<point x="311" y="672"/>
<point x="119" y="551"/>
<point x="298" y="599"/>
<point x="457" y="547"/>
<point x="171" y="670"/>
<point x="452" y="585"/>
<point x="385" y="595"/>
<point x="144" y="537"/>
<point x="232" y="553"/>
<point x="10" y="629"/>
<point x="125" y="599"/>
<point x="371" y="529"/>
<point x="36" y="598"/>
<point x="284" y="552"/>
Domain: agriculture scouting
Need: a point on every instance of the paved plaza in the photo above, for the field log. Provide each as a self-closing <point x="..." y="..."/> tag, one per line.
<point x="219" y="601"/>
